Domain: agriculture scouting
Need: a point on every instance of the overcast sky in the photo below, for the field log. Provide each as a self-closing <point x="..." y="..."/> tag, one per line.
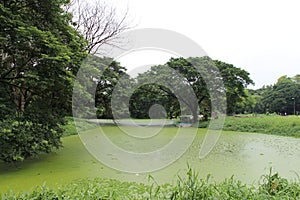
<point x="260" y="36"/>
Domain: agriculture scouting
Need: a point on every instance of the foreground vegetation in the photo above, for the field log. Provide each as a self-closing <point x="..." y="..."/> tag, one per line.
<point x="272" y="186"/>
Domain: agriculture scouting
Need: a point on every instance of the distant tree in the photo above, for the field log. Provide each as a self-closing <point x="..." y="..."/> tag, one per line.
<point x="111" y="72"/>
<point x="235" y="80"/>
<point x="280" y="98"/>
<point x="296" y="78"/>
<point x="259" y="95"/>
<point x="150" y="94"/>
<point x="247" y="103"/>
<point x="259" y="106"/>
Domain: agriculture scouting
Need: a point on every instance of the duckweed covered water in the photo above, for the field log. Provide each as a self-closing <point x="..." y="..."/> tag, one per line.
<point x="246" y="156"/>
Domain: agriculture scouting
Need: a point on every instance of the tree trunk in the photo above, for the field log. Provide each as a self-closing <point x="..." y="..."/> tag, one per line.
<point x="22" y="100"/>
<point x="195" y="116"/>
<point x="16" y="98"/>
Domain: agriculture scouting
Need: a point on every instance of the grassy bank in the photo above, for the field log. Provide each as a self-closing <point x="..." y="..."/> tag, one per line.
<point x="275" y="125"/>
<point x="268" y="124"/>
<point x="272" y="186"/>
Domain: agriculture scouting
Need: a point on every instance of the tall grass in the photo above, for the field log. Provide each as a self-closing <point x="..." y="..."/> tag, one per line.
<point x="190" y="187"/>
<point x="276" y="125"/>
<point x="268" y="124"/>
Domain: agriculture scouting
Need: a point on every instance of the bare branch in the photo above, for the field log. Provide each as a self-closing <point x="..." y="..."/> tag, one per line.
<point x="99" y="23"/>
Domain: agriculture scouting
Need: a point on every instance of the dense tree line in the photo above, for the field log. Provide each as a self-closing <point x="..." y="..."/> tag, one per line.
<point x="281" y="98"/>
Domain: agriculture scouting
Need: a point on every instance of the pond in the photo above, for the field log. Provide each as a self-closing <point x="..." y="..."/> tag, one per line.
<point x="247" y="156"/>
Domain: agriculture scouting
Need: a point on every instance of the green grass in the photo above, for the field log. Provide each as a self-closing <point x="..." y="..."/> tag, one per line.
<point x="267" y="124"/>
<point x="274" y="125"/>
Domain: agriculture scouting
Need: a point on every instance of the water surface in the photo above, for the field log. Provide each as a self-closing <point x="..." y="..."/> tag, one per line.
<point x="245" y="155"/>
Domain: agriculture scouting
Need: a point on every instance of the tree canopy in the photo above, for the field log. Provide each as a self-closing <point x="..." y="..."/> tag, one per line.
<point x="42" y="46"/>
<point x="283" y="97"/>
<point x="170" y="83"/>
<point x="40" y="53"/>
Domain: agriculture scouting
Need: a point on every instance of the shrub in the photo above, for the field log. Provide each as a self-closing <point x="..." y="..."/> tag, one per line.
<point x="22" y="138"/>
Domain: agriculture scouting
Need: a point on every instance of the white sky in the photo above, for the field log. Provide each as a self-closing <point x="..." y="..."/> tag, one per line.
<point x="260" y="36"/>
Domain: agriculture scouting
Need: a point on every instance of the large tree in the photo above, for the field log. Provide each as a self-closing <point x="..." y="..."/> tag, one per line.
<point x="202" y="75"/>
<point x="235" y="80"/>
<point x="40" y="53"/>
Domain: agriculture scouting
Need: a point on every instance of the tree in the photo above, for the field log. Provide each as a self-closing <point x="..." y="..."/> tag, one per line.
<point x="40" y="53"/>
<point x="259" y="106"/>
<point x="6" y="102"/>
<point x="148" y="95"/>
<point x="94" y="86"/>
<point x="164" y="85"/>
<point x="235" y="80"/>
<point x="280" y="97"/>
<point x="111" y="72"/>
<point x="200" y="75"/>
<point x="99" y="23"/>
<point x="247" y="103"/>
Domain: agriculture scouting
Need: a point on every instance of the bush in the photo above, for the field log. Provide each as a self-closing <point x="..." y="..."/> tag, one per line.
<point x="81" y="125"/>
<point x="203" y="124"/>
<point x="21" y="138"/>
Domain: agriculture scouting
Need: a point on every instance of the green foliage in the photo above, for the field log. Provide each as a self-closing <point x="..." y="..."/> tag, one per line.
<point x="22" y="138"/>
<point x="6" y="103"/>
<point x="112" y="72"/>
<point x="189" y="188"/>
<point x="273" y="184"/>
<point x="195" y="188"/>
<point x="247" y="103"/>
<point x="94" y="87"/>
<point x="203" y="124"/>
<point x="180" y="79"/>
<point x="81" y="125"/>
<point x="150" y="94"/>
<point x="39" y="55"/>
<point x="282" y="97"/>
<point x="235" y="81"/>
